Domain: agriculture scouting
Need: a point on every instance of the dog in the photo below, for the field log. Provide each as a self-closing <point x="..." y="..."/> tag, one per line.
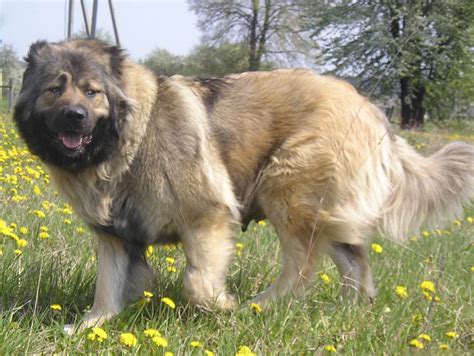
<point x="146" y="159"/>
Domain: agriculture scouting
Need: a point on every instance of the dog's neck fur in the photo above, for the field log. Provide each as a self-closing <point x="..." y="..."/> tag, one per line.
<point x="90" y="191"/>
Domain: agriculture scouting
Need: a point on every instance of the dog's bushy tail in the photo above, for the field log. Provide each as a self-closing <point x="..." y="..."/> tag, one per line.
<point x="427" y="190"/>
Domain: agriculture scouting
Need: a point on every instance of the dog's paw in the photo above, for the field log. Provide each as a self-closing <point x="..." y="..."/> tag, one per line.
<point x="226" y="301"/>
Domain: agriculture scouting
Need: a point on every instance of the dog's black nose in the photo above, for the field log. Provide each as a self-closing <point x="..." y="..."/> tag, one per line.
<point x="74" y="112"/>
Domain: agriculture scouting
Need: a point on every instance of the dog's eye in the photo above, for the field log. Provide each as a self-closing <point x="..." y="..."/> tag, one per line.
<point x="91" y="92"/>
<point x="55" y="90"/>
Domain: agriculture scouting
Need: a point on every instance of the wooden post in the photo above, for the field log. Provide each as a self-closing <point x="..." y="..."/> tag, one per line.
<point x="10" y="94"/>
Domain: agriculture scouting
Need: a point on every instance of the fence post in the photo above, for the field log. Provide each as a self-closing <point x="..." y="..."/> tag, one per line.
<point x="10" y="94"/>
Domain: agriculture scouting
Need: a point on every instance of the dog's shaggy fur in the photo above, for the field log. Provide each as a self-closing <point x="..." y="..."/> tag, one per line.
<point x="146" y="160"/>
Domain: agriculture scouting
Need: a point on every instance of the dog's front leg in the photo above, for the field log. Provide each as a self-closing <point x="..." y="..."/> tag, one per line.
<point x="121" y="275"/>
<point x="208" y="247"/>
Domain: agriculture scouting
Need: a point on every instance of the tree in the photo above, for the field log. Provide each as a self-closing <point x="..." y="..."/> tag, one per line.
<point x="163" y="62"/>
<point x="10" y="66"/>
<point x="264" y="27"/>
<point x="203" y="60"/>
<point x="418" y="49"/>
<point x="100" y="34"/>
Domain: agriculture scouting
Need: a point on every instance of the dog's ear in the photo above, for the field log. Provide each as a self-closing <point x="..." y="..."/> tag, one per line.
<point x="117" y="57"/>
<point x="35" y="50"/>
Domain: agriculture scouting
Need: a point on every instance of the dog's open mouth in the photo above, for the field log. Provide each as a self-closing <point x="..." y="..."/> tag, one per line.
<point x="74" y="140"/>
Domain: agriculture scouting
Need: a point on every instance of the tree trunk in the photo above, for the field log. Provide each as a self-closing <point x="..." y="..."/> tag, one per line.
<point x="413" y="112"/>
<point x="253" y="55"/>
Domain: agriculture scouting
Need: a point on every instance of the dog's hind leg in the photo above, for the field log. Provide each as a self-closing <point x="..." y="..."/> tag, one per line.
<point x="121" y="275"/>
<point x="298" y="267"/>
<point x="209" y="247"/>
<point x="353" y="266"/>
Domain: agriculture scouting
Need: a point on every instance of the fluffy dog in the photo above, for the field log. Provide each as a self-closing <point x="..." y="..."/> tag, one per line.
<point x="146" y="159"/>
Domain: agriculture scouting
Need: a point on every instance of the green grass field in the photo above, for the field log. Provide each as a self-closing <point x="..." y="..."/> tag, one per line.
<point x="47" y="272"/>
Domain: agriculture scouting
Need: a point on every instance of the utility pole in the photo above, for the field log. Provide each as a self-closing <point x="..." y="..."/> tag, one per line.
<point x="94" y="18"/>
<point x="112" y="15"/>
<point x="84" y="15"/>
<point x="69" y="19"/>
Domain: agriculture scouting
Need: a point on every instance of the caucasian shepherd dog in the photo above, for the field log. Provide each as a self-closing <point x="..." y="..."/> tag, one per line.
<point x="146" y="159"/>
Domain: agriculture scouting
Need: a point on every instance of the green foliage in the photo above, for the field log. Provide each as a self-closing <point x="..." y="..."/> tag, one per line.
<point x="378" y="44"/>
<point x="100" y="34"/>
<point x="10" y="66"/>
<point x="204" y="60"/>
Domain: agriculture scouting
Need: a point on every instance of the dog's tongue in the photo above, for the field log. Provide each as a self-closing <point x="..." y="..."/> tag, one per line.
<point x="71" y="140"/>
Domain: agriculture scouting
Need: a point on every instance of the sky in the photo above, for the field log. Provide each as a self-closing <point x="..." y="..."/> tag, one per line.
<point x="143" y="25"/>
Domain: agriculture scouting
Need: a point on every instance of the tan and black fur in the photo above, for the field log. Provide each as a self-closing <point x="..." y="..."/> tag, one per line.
<point x="189" y="159"/>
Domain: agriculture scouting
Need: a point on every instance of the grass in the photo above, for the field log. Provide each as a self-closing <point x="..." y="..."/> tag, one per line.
<point x="59" y="268"/>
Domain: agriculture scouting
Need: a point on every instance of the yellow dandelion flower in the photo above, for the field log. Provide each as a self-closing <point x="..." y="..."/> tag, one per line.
<point x="426" y="233"/>
<point x="417" y="344"/>
<point x="21" y="243"/>
<point x="469" y="219"/>
<point x="169" y="302"/>
<point x="43" y="235"/>
<point x="67" y="210"/>
<point x="152" y="332"/>
<point x="46" y="205"/>
<point x="55" y="307"/>
<point x="330" y="348"/>
<point x="170" y="260"/>
<point x="1" y="252"/>
<point x="149" y="251"/>
<point x="245" y="351"/>
<point x="67" y="221"/>
<point x="23" y="230"/>
<point x="147" y="294"/>
<point x="239" y="245"/>
<point x="428" y="286"/>
<point x="209" y="353"/>
<point x="377" y="248"/>
<point x="18" y="252"/>
<point x="425" y="337"/>
<point x="457" y="223"/>
<point x="39" y="214"/>
<point x="160" y="341"/>
<point x="472" y="269"/>
<point x="256" y="308"/>
<point x="168" y="353"/>
<point x="262" y="223"/>
<point x="36" y="190"/>
<point x="443" y="346"/>
<point x="128" y="339"/>
<point x="80" y="230"/>
<point x="452" y="334"/>
<point x="196" y="344"/>
<point x="97" y="334"/>
<point x="171" y="269"/>
<point x="44" y="228"/>
<point x="13" y="226"/>
<point x="325" y="278"/>
<point x="401" y="291"/>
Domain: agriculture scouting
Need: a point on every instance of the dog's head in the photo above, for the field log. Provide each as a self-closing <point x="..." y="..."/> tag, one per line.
<point x="72" y="102"/>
